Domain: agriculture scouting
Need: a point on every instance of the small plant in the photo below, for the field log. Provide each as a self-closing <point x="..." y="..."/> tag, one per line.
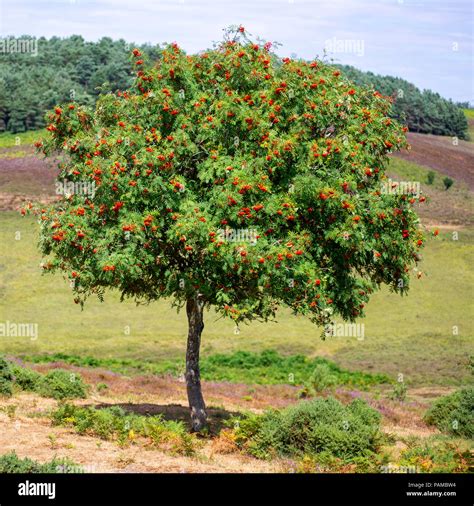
<point x="6" y="378"/>
<point x="399" y="392"/>
<point x="454" y="413"/>
<point x="10" y="410"/>
<point x="321" y="379"/>
<point x="115" y="424"/>
<point x="430" y="177"/>
<point x="11" y="463"/>
<point x="101" y="387"/>
<point x="53" y="441"/>
<point x="448" y="182"/>
<point x="436" y="455"/>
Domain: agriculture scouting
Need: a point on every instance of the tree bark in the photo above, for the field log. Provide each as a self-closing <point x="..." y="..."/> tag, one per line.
<point x="194" y="310"/>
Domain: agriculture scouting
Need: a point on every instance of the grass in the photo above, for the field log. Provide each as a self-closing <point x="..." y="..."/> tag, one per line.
<point x="469" y="113"/>
<point x="9" y="140"/>
<point x="402" y="170"/>
<point x="402" y="335"/>
<point x="267" y="368"/>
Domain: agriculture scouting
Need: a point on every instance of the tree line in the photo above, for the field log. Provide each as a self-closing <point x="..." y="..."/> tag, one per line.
<point x="422" y="111"/>
<point x="71" y="68"/>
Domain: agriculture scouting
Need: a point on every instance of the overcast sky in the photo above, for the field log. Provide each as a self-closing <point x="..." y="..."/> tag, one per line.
<point x="427" y="42"/>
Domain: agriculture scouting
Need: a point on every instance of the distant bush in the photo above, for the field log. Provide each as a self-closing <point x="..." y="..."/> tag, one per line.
<point x="448" y="182"/>
<point x="321" y="378"/>
<point x="399" y="392"/>
<point x="311" y="427"/>
<point x="11" y="463"/>
<point x="25" y="378"/>
<point x="116" y="424"/>
<point x="58" y="383"/>
<point x="431" y="177"/>
<point x="454" y="413"/>
<point x="61" y="384"/>
<point x="6" y="378"/>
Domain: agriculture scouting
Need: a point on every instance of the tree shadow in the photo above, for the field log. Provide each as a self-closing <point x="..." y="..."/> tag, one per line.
<point x="175" y="412"/>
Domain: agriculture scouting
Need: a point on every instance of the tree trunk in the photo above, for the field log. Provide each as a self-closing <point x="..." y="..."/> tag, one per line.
<point x="194" y="310"/>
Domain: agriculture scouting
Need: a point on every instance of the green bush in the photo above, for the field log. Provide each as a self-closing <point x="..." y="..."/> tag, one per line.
<point x="448" y="182"/>
<point x="399" y="392"/>
<point x="321" y="379"/>
<point x="454" y="413"/>
<point x="61" y="384"/>
<point x="25" y="378"/>
<point x="311" y="427"/>
<point x="6" y="378"/>
<point x="11" y="463"/>
<point x="58" y="383"/>
<point x="431" y="177"/>
<point x="116" y="424"/>
<point x="435" y="455"/>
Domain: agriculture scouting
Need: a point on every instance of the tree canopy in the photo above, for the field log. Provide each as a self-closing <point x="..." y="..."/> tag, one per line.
<point x="248" y="179"/>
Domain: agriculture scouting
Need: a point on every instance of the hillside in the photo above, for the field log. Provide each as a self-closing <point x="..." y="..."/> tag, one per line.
<point x="73" y="69"/>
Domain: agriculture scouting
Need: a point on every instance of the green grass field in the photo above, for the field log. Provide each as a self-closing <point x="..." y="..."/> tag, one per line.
<point x="8" y="140"/>
<point x="412" y="335"/>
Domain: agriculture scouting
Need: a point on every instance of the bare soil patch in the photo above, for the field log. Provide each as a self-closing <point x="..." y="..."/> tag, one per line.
<point x="439" y="153"/>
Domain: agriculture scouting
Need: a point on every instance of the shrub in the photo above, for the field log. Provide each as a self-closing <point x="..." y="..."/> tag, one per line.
<point x="311" y="427"/>
<point x="436" y="456"/>
<point x="114" y="423"/>
<point x="61" y="384"/>
<point x="11" y="463"/>
<point x="454" y="413"/>
<point x="448" y="182"/>
<point x="430" y="177"/>
<point x="399" y="392"/>
<point x="6" y="378"/>
<point x="58" y="383"/>
<point x="321" y="378"/>
<point x="25" y="378"/>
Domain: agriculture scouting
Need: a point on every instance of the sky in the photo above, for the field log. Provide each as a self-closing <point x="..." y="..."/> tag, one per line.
<point x="427" y="42"/>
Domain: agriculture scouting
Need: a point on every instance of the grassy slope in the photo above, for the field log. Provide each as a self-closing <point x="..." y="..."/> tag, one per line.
<point x="8" y="140"/>
<point x="469" y="113"/>
<point x="411" y="335"/>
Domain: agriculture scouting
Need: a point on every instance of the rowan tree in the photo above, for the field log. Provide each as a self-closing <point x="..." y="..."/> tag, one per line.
<point x="234" y="179"/>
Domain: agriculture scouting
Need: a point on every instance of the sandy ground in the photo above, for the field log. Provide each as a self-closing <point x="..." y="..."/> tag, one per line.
<point x="29" y="431"/>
